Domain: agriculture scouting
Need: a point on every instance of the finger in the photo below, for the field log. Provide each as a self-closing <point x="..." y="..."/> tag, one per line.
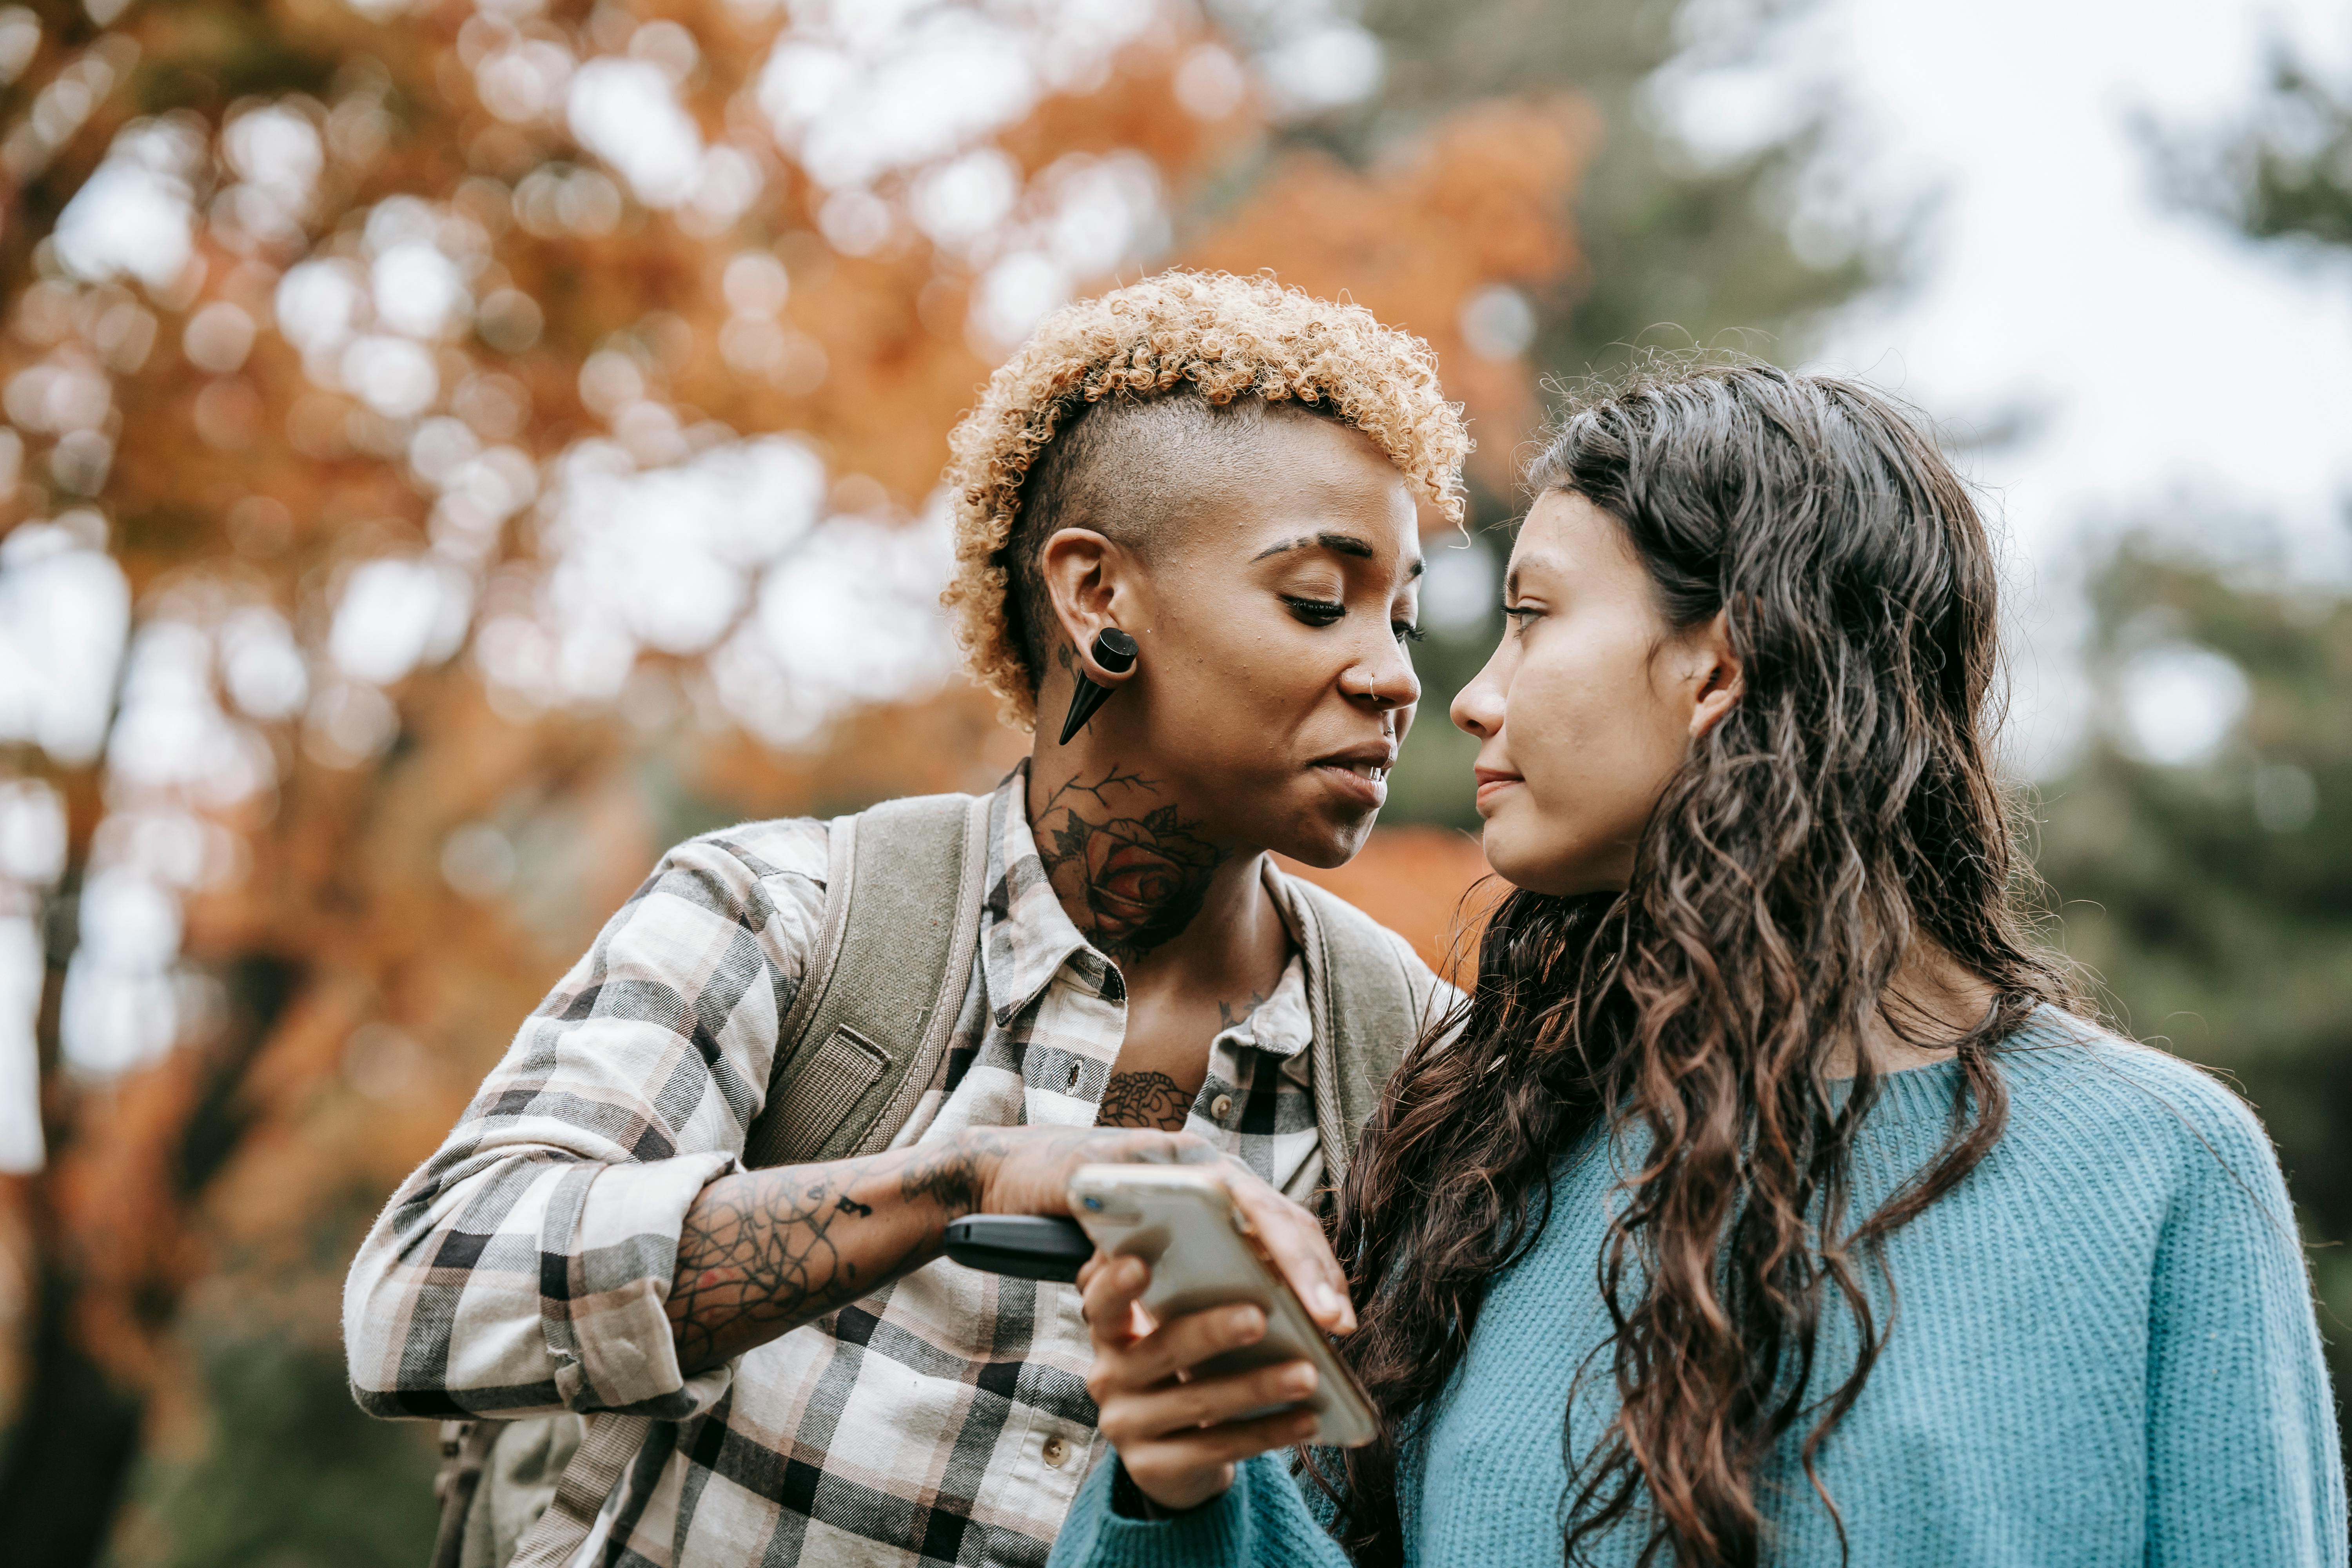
<point x="1089" y="1269"/>
<point x="1182" y="1344"/>
<point x="1300" y="1251"/>
<point x="1211" y="1447"/>
<point x="1110" y="1298"/>
<point x="1147" y="1148"/>
<point x="1175" y="1409"/>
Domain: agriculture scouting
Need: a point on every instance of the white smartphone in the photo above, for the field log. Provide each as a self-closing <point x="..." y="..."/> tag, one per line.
<point x="1181" y="1221"/>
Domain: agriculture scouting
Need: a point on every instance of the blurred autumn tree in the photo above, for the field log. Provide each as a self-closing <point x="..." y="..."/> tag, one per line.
<point x="453" y="449"/>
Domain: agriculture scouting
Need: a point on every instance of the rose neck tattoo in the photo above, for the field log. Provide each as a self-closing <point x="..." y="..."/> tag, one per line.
<point x="1130" y="869"/>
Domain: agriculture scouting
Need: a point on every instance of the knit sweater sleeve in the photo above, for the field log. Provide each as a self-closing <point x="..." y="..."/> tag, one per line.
<point x="1262" y="1521"/>
<point x="2242" y="1462"/>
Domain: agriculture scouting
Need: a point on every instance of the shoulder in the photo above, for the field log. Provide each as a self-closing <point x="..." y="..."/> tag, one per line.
<point x="767" y="876"/>
<point x="2084" y="1093"/>
<point x="788" y="847"/>
<point x="1357" y="940"/>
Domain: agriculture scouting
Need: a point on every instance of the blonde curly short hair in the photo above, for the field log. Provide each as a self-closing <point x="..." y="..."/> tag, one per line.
<point x="1222" y="337"/>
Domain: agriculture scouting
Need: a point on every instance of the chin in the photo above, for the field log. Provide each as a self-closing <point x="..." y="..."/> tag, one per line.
<point x="1325" y="843"/>
<point x="1528" y="867"/>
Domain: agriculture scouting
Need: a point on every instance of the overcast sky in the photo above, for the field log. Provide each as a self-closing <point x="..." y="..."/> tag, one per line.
<point x="2179" y="375"/>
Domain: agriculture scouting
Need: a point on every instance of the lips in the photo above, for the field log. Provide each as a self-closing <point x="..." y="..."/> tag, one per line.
<point x="1492" y="784"/>
<point x="1359" y="774"/>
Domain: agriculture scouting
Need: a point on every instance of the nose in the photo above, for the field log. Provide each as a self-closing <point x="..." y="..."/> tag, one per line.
<point x="1478" y="707"/>
<point x="1382" y="683"/>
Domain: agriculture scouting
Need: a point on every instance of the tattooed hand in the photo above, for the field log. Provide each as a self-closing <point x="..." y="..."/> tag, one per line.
<point x="1026" y="1170"/>
<point x="763" y="1252"/>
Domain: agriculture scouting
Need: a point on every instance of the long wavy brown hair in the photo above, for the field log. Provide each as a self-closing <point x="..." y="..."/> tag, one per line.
<point x="1844" y="808"/>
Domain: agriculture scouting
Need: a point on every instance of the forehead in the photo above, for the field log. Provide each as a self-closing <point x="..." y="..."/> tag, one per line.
<point x="1566" y="536"/>
<point x="1301" y="476"/>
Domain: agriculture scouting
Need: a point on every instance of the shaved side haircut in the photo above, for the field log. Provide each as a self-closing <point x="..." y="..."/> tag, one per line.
<point x="1144" y="401"/>
<point x="1133" y="470"/>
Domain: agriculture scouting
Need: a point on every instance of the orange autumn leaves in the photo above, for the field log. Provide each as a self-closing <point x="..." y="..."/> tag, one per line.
<point x="1483" y="200"/>
<point x="239" y="480"/>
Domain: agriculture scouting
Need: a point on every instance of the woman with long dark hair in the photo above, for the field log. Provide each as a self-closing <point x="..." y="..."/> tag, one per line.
<point x="1771" y="1199"/>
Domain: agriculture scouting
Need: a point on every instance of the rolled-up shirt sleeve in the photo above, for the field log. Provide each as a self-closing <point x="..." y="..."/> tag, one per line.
<point x="526" y="1266"/>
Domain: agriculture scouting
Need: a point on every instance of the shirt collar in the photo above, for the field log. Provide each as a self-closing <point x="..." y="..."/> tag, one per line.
<point x="1280" y="1026"/>
<point x="1026" y="935"/>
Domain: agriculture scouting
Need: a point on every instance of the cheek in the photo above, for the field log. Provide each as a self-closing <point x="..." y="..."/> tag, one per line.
<point x="1596" y="745"/>
<point x="1236" y="676"/>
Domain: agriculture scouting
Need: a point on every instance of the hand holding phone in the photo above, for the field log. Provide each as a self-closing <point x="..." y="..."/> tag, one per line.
<point x="1205" y="1352"/>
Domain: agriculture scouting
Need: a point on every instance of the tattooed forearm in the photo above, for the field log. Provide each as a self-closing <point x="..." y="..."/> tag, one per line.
<point x="763" y="1252"/>
<point x="949" y="1176"/>
<point x="1132" y="871"/>
<point x="1144" y="1099"/>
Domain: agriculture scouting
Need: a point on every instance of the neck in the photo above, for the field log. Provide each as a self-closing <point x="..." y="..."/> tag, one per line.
<point x="1129" y="862"/>
<point x="1933" y="1000"/>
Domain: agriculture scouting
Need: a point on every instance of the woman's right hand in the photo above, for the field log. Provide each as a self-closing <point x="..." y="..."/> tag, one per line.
<point x="1179" y="1437"/>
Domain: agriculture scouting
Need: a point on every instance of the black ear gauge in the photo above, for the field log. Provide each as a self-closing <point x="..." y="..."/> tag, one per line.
<point x="1115" y="651"/>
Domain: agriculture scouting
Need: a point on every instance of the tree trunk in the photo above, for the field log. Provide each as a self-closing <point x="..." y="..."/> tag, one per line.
<point x="78" y="1429"/>
<point x="63" y="1471"/>
<point x="63" y="1475"/>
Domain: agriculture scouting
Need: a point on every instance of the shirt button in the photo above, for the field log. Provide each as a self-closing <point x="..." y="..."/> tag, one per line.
<point x="1221" y="1108"/>
<point x="1057" y="1451"/>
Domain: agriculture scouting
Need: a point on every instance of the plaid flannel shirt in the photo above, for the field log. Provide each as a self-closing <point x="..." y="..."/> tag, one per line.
<point x="523" y="1268"/>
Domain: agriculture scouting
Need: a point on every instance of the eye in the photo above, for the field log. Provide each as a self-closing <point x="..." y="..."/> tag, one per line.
<point x="1406" y="632"/>
<point x="1520" y="615"/>
<point x="1315" y="612"/>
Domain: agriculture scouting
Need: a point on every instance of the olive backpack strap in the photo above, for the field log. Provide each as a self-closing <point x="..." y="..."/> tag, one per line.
<point x="1370" y="998"/>
<point x="864" y="1037"/>
<point x="904" y="884"/>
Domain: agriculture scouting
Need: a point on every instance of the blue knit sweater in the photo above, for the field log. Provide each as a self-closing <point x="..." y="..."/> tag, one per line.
<point x="2105" y="1355"/>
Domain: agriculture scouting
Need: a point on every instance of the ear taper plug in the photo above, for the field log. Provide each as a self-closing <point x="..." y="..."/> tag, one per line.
<point x="1115" y="651"/>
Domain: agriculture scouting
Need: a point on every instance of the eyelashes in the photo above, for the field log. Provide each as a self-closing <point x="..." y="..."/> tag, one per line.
<point x="1329" y="612"/>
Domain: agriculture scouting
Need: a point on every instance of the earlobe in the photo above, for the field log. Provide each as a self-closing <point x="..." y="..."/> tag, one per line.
<point x="1114" y="653"/>
<point x="1721" y="682"/>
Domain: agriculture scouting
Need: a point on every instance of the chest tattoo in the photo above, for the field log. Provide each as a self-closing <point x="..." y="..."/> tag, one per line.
<point x="1144" y="1099"/>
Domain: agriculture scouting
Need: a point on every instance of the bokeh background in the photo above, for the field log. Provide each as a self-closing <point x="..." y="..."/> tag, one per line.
<point x="454" y="448"/>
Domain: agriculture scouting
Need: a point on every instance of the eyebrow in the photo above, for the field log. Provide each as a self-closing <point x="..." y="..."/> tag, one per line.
<point x="1337" y="544"/>
<point x="1511" y="578"/>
